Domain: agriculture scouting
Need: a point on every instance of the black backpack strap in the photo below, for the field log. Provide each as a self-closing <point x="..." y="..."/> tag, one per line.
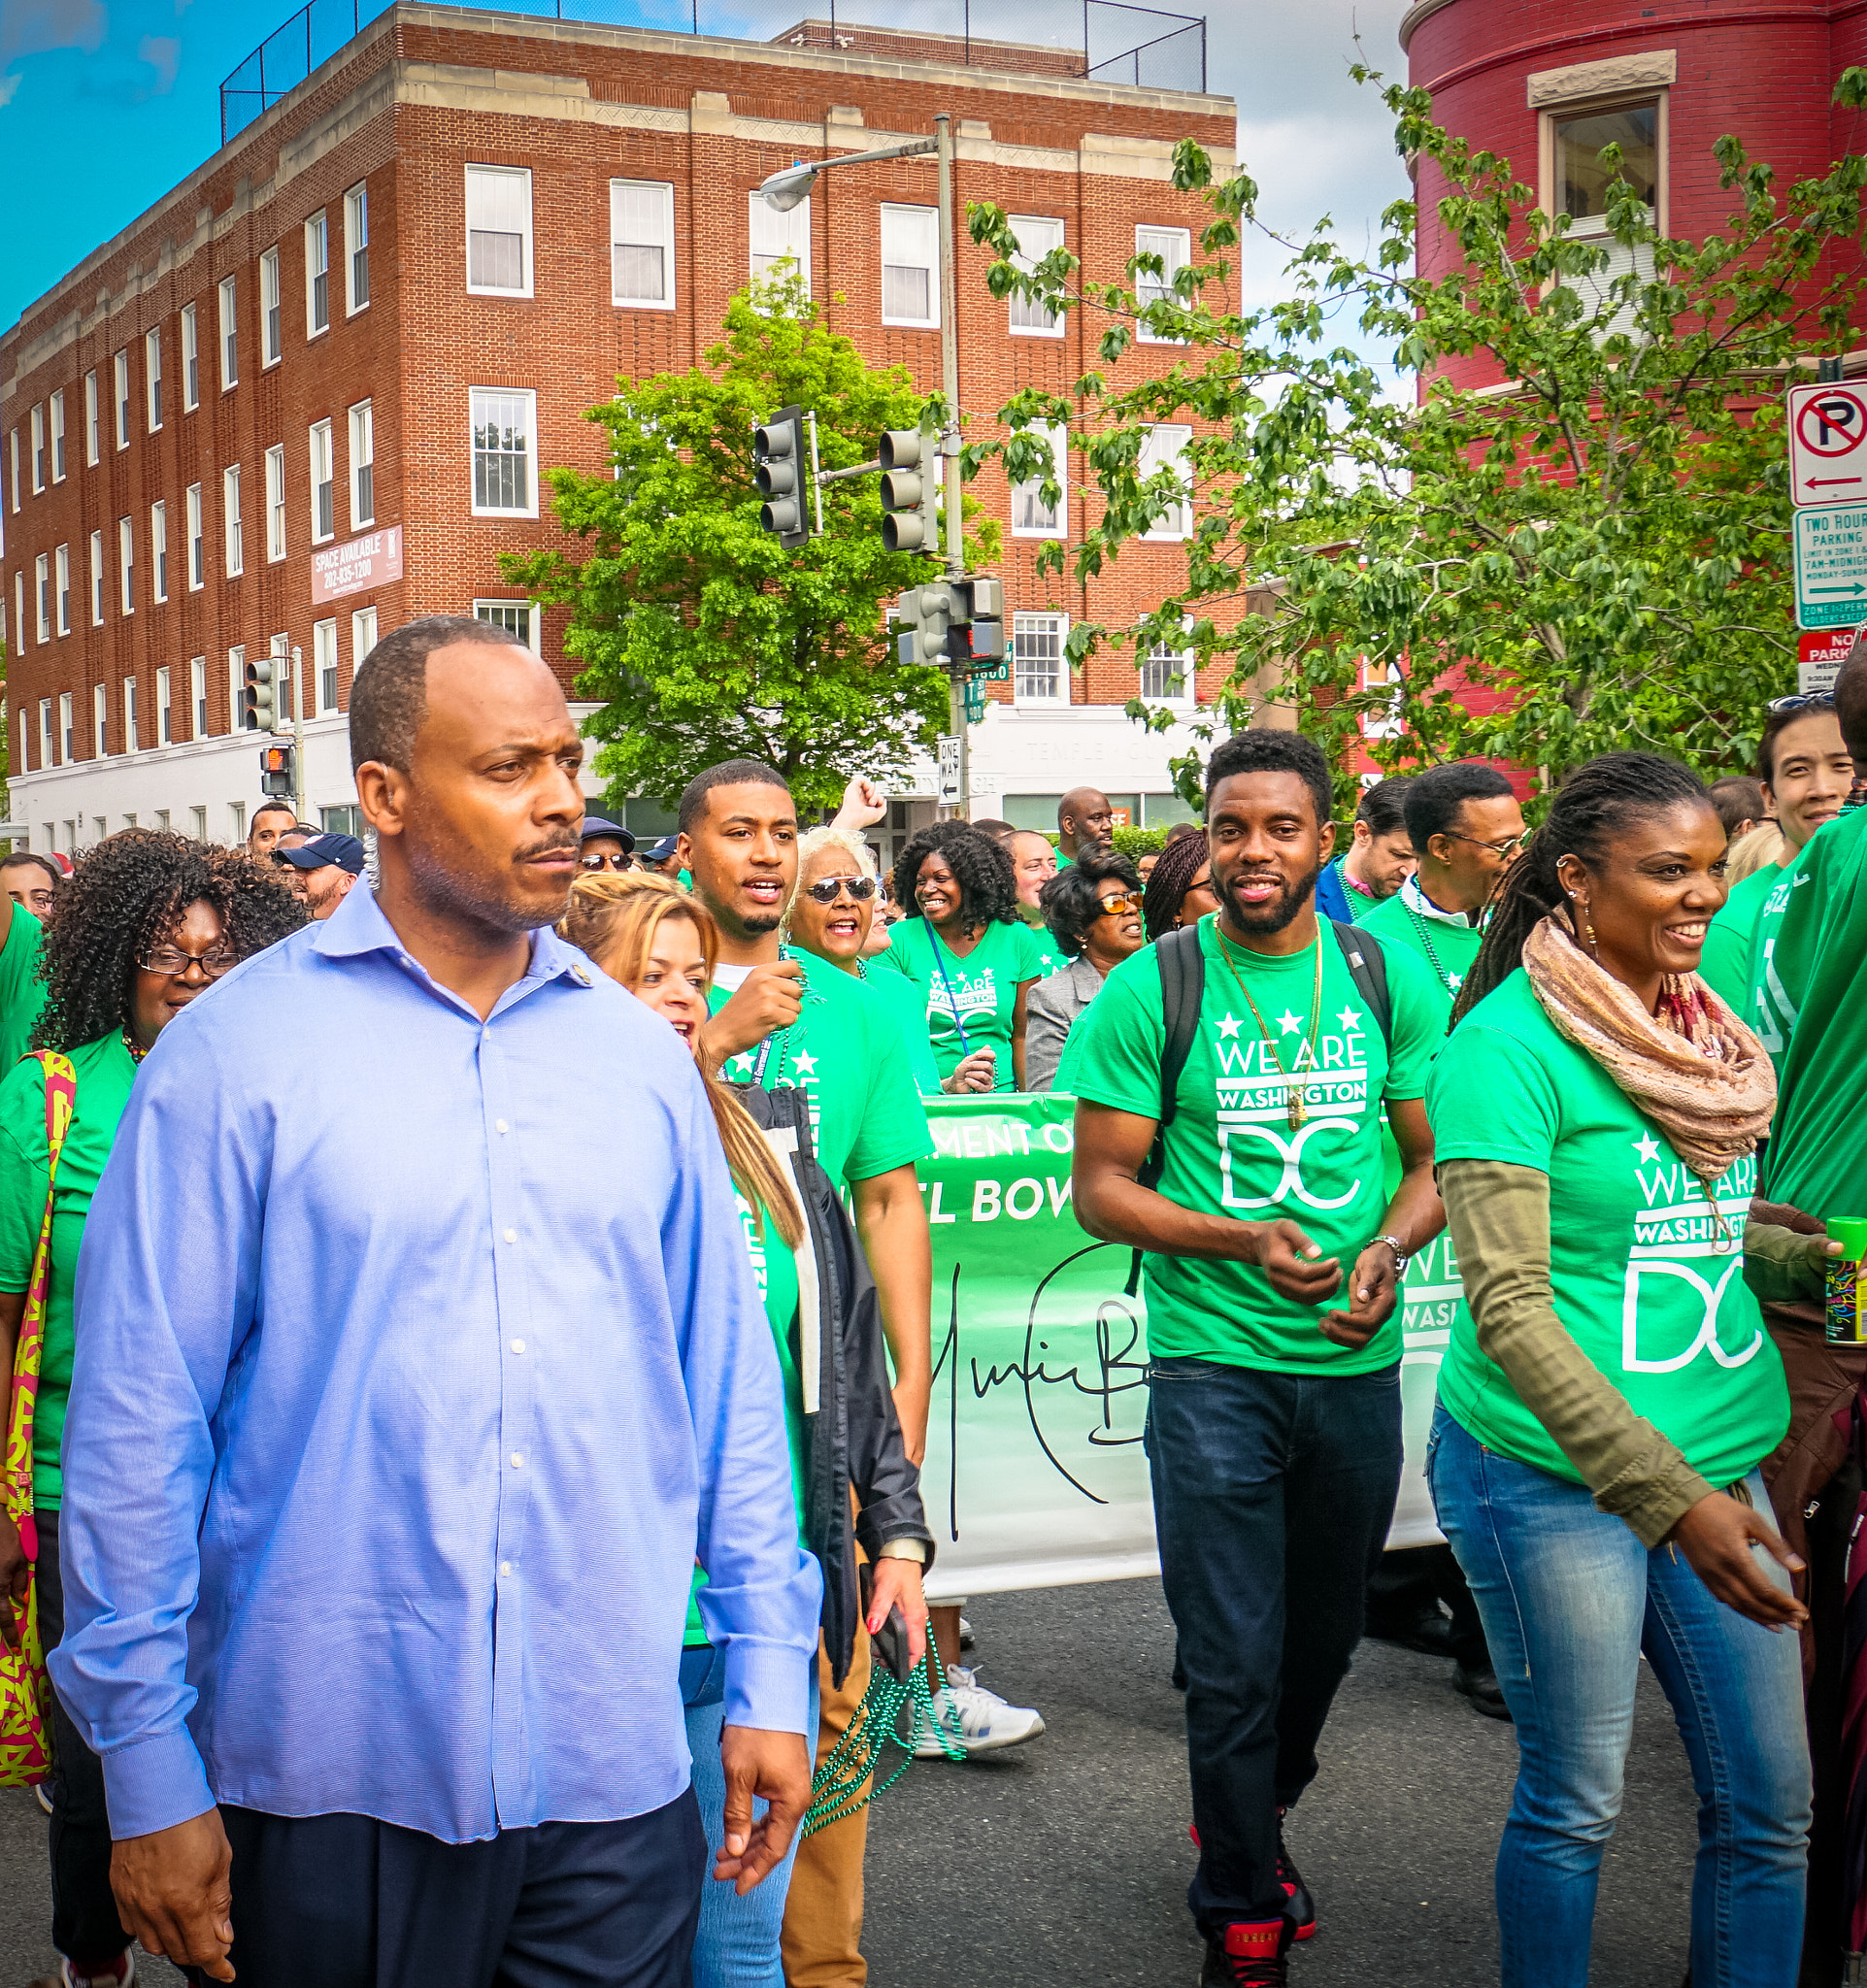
<point x="1368" y="970"/>
<point x="1183" y="988"/>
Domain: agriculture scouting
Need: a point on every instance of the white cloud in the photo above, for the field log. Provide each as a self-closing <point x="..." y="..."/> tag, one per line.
<point x="9" y="89"/>
<point x="29" y="27"/>
<point x="162" y="53"/>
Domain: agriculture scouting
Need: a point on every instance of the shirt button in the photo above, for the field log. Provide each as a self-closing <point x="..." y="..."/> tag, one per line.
<point x="518" y="1459"/>
<point x="505" y="1567"/>
<point x="518" y="1346"/>
<point x="511" y="1234"/>
<point x="499" y="1125"/>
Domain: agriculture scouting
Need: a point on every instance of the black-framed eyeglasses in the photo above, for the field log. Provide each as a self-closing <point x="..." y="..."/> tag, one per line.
<point x="1508" y="847"/>
<point x="827" y="889"/>
<point x="1806" y="700"/>
<point x="1203" y="882"/>
<point x="172" y="962"/>
<point x="1126" y="906"/>
<point x="620" y="859"/>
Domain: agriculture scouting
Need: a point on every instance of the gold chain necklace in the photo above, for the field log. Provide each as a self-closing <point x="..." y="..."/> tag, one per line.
<point x="1298" y="1108"/>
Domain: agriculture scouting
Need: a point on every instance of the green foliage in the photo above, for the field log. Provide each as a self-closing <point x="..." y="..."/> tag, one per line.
<point x="1602" y="542"/>
<point x="1136" y="842"/>
<point x="704" y="637"/>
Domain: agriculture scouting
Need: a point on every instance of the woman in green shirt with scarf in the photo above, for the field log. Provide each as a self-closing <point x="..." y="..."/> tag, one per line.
<point x="148" y="921"/>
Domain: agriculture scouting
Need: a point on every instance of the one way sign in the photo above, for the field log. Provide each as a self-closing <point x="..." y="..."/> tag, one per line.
<point x="1827" y="443"/>
<point x="1831" y="567"/>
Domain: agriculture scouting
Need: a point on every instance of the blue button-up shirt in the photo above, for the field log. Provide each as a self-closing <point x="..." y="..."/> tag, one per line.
<point x="417" y="1359"/>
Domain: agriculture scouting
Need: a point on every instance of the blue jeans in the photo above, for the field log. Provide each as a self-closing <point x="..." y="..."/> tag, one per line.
<point x="1273" y="1494"/>
<point x="1570" y="1598"/>
<point x="737" y="1943"/>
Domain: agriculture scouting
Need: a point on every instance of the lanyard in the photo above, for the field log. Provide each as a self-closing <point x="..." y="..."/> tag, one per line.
<point x="952" y="999"/>
<point x="777" y="1036"/>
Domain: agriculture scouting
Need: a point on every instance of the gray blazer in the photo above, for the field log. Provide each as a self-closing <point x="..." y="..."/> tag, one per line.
<point x="1050" y="1010"/>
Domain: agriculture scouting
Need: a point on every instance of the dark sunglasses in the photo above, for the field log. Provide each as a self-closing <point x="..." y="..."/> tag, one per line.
<point x="620" y="860"/>
<point x="1813" y="700"/>
<point x="827" y="890"/>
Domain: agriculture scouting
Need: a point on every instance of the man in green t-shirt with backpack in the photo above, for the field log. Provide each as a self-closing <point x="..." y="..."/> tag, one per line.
<point x="1229" y="1083"/>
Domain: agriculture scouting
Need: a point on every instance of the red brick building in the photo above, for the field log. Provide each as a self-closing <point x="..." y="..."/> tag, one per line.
<point x="309" y="395"/>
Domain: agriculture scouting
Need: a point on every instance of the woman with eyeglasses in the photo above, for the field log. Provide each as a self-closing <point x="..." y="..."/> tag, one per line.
<point x="971" y="958"/>
<point x="1180" y="891"/>
<point x="1094" y="910"/>
<point x="147" y="922"/>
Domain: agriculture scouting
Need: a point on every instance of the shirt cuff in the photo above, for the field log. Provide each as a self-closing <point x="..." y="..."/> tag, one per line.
<point x="1654" y="1502"/>
<point x="903" y="1549"/>
<point x="155" y="1783"/>
<point x="767" y="1686"/>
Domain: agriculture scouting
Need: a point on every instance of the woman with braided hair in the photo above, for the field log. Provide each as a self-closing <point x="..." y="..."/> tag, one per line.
<point x="1602" y="1415"/>
<point x="1180" y="891"/>
<point x="147" y="922"/>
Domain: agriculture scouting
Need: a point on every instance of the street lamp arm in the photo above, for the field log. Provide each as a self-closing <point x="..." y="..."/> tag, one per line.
<point x="795" y="180"/>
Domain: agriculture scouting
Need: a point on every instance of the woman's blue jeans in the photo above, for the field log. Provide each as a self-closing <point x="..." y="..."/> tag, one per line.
<point x="736" y="1945"/>
<point x="1570" y="1600"/>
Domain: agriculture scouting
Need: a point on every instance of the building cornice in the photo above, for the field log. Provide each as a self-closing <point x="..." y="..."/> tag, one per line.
<point x="1420" y="10"/>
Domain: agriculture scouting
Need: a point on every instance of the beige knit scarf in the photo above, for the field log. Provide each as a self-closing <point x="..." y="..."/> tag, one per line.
<point x="1694" y="1067"/>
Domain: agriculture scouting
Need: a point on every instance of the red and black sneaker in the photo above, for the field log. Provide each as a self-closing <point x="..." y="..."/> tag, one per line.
<point x="1250" y="1955"/>
<point x="1301" y="1909"/>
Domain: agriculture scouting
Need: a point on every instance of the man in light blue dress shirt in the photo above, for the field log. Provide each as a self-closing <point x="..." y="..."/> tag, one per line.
<point x="401" y="1413"/>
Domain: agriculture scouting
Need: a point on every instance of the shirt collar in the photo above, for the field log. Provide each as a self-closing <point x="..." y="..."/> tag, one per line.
<point x="359" y="926"/>
<point x="1417" y="899"/>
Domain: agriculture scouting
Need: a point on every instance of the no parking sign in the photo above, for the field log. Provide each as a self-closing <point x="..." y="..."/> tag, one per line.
<point x="1827" y="443"/>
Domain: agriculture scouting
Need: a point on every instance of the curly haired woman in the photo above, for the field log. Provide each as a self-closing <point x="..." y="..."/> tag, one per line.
<point x="147" y="923"/>
<point x="964" y="946"/>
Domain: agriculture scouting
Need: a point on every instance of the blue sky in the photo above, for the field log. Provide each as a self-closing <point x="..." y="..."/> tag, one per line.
<point x="114" y="101"/>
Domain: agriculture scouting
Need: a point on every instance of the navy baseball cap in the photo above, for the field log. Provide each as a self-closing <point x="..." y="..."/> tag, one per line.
<point x="664" y="848"/>
<point x="344" y="851"/>
<point x="595" y="825"/>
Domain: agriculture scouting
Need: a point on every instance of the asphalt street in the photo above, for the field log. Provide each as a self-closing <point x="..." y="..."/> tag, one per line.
<point x="1065" y="1861"/>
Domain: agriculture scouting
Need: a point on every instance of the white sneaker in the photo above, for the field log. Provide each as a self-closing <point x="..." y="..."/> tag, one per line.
<point x="978" y="1719"/>
<point x="67" y="1979"/>
<point x="966" y="1638"/>
<point x="41" y="1793"/>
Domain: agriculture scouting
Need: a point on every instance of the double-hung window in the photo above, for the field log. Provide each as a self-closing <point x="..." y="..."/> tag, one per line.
<point x="516" y="618"/>
<point x="38" y="448"/>
<point x="505" y="451"/>
<point x="61" y="587"/>
<point x="152" y="377"/>
<point x="1032" y="516"/>
<point x="1175" y="247"/>
<point x="237" y="719"/>
<point x="197" y="548"/>
<point x="1039" y="672"/>
<point x="357" y="250"/>
<point x="100" y="721"/>
<point x="1164" y="447"/>
<point x="910" y="265"/>
<point x="230" y="515"/>
<point x="158" y="551"/>
<point x="97" y="580"/>
<point x="190" y="360"/>
<point x="1575" y="136"/>
<point x="132" y="741"/>
<point x="1037" y="235"/>
<point x="93" y="427"/>
<point x="59" y="436"/>
<point x="13" y="452"/>
<point x="642" y="243"/>
<point x="322" y="495"/>
<point x="499" y="230"/>
<point x="42" y="594"/>
<point x="362" y="638"/>
<point x="324" y="664"/>
<point x="198" y="698"/>
<point x="362" y="465"/>
<point x="272" y="331"/>
<point x="317" y="273"/>
<point x="229" y="323"/>
<point x="127" y="563"/>
<point x="121" y="365"/>
<point x="777" y="236"/>
<point x="164" y="711"/>
<point x="44" y="747"/>
<point x="67" y="747"/>
<point x="275" y="502"/>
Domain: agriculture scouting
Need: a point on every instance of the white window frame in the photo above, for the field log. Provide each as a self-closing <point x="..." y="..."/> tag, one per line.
<point x="1183" y="698"/>
<point x="190" y="360"/>
<point x="13" y="452"/>
<point x="197" y="541"/>
<point x="58" y="405"/>
<point x="42" y="597"/>
<point x="911" y="242"/>
<point x="1035" y="241"/>
<point x="530" y="397"/>
<point x="1167" y="242"/>
<point x="486" y="177"/>
<point x="1041" y="626"/>
<point x="357" y="250"/>
<point x="97" y="580"/>
<point x="1023" y="494"/>
<point x="100" y="720"/>
<point x="517" y="617"/>
<point x="781" y="235"/>
<point x="272" y="311"/>
<point x="159" y="549"/>
<point x="61" y="590"/>
<point x="198" y="704"/>
<point x="231" y="519"/>
<point x="126" y="564"/>
<point x="275" y="502"/>
<point x="152" y="378"/>
<point x="164" y="708"/>
<point x="325" y="666"/>
<point x="36" y="449"/>
<point x="236" y="689"/>
<point x="132" y="741"/>
<point x="93" y="424"/>
<point x="229" y="322"/>
<point x="362" y="638"/>
<point x="120" y="381"/>
<point x="362" y="464"/>
<point x="67" y="744"/>
<point x="318" y="269"/>
<point x="1164" y="443"/>
<point x="198" y="822"/>
<point x="321" y="456"/>
<point x="45" y="739"/>
<point x="643" y="232"/>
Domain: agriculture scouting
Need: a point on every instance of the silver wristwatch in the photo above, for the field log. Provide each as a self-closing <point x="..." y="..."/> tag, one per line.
<point x="1399" y="1249"/>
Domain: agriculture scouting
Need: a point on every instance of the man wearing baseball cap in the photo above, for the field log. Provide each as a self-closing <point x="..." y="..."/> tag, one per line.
<point x="322" y="871"/>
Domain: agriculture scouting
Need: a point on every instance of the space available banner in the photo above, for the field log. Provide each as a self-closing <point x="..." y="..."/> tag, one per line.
<point x="1035" y="1475"/>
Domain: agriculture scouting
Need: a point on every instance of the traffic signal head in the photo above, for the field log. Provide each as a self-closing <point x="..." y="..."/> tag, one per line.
<point x="777" y="469"/>
<point x="256" y="699"/>
<point x="274" y="770"/>
<point x="909" y="492"/>
<point x="926" y="613"/>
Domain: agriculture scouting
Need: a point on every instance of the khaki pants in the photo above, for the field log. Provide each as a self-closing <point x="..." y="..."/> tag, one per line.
<point x="822" y="1938"/>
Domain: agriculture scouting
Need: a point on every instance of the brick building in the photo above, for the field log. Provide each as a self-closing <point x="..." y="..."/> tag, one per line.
<point x="309" y="395"/>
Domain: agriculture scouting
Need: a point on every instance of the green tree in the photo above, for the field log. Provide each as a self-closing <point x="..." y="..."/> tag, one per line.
<point x="1602" y="540"/>
<point x="704" y="637"/>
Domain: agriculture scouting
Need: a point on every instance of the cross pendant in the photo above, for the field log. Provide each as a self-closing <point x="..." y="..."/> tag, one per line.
<point x="1298" y="1112"/>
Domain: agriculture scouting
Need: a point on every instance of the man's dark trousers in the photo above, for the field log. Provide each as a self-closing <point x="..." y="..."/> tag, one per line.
<point x="1273" y="1495"/>
<point x="347" y="1902"/>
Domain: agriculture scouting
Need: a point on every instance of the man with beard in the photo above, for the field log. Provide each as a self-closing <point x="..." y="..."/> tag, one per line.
<point x="321" y="871"/>
<point x="383" y="1663"/>
<point x="1274" y="1260"/>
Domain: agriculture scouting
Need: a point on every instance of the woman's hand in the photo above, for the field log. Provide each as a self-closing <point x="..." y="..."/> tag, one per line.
<point x="1719" y="1536"/>
<point x="897" y="1586"/>
<point x="14" y="1572"/>
<point x="978" y="1072"/>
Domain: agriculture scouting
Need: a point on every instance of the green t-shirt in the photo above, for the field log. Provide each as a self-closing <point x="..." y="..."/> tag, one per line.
<point x="967" y="1004"/>
<point x="1726" y="960"/>
<point x="22" y="993"/>
<point x="844" y="1051"/>
<point x="1640" y="1276"/>
<point x="903" y="1004"/>
<point x="1769" y="1007"/>
<point x="774" y="1270"/>
<point x="1050" y="956"/>
<point x="1812" y="975"/>
<point x="105" y="1072"/>
<point x="1230" y="1150"/>
<point x="1448" y="950"/>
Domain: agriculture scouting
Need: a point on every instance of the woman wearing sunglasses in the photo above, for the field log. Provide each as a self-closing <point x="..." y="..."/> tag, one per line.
<point x="1094" y="910"/>
<point x="1180" y="891"/>
<point x="146" y="924"/>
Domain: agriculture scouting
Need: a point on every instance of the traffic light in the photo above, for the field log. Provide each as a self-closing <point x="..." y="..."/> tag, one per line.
<point x="979" y="636"/>
<point x="926" y="615"/>
<point x="777" y="469"/>
<point x="276" y="770"/>
<point x="909" y="492"/>
<point x="256" y="700"/>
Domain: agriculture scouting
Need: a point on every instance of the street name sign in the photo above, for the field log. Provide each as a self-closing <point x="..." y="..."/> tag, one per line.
<point x="1831" y="565"/>
<point x="1827" y="443"/>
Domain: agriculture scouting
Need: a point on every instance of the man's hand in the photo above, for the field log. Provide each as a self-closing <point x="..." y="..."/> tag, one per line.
<point x="864" y="804"/>
<point x="1719" y="1536"/>
<point x="1373" y="1287"/>
<point x="16" y="1571"/>
<point x="978" y="1072"/>
<point x="776" y="1766"/>
<point x="771" y="998"/>
<point x="174" y="1892"/>
<point x="897" y="1586"/>
<point x="1297" y="1268"/>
